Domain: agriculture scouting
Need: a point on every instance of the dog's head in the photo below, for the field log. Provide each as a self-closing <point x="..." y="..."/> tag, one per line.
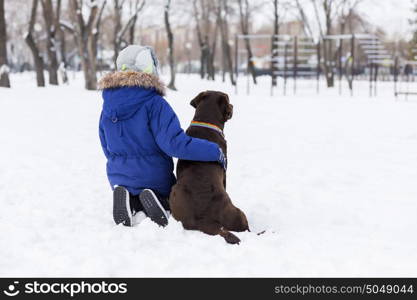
<point x="213" y="102"/>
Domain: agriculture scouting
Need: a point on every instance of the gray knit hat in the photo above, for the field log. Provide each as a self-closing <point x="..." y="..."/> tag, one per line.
<point x="138" y="58"/>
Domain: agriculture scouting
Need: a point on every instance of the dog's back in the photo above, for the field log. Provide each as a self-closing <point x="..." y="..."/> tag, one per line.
<point x="199" y="199"/>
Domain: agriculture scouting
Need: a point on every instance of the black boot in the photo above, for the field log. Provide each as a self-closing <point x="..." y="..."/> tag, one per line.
<point x="125" y="206"/>
<point x="153" y="208"/>
<point x="121" y="206"/>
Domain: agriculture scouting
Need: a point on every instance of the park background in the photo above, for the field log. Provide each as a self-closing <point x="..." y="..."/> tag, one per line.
<point x="322" y="145"/>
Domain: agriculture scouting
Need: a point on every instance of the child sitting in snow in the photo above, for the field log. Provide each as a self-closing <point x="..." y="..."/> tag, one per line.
<point x="139" y="134"/>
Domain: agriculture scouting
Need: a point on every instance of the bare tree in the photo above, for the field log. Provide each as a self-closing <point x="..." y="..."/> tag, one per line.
<point x="245" y="13"/>
<point x="413" y="42"/>
<point x="201" y="42"/>
<point x="120" y="30"/>
<point x="276" y="16"/>
<point x="347" y="14"/>
<point x="60" y="33"/>
<point x="274" y="46"/>
<point x="30" y="41"/>
<point x="118" y="7"/>
<point x="328" y="9"/>
<point x="211" y="69"/>
<point x="222" y="17"/>
<point x="280" y="8"/>
<point x="97" y="30"/>
<point x="170" y="36"/>
<point x="203" y="10"/>
<point x="133" y="22"/>
<point x="51" y="44"/>
<point x="85" y="34"/>
<point x="4" y="69"/>
<point x="304" y="20"/>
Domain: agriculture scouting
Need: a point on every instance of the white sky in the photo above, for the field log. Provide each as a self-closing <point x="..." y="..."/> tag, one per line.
<point x="391" y="15"/>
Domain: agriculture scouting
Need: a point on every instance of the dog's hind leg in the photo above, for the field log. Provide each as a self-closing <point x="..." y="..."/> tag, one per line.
<point x="233" y="219"/>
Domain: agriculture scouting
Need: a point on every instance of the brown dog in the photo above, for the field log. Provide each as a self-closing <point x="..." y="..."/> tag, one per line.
<point x="199" y="199"/>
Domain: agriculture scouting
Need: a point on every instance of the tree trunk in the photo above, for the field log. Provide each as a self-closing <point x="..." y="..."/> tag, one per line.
<point x="37" y="59"/>
<point x="251" y="65"/>
<point x="328" y="69"/>
<point x="133" y="26"/>
<point x="62" y="45"/>
<point x="212" y="54"/>
<point x="86" y="41"/>
<point x="170" y="36"/>
<point x="200" y="40"/>
<point x="132" y="31"/>
<point x="4" y="69"/>
<point x="49" y="17"/>
<point x="303" y="18"/>
<point x="96" y="34"/>
<point x="244" y="24"/>
<point x="223" y="64"/>
<point x="117" y="27"/>
<point x="203" y="58"/>
<point x="274" y="46"/>
<point x="328" y="65"/>
<point x="30" y="41"/>
<point x="224" y="31"/>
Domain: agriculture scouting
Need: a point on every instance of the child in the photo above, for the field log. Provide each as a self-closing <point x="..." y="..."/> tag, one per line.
<point x="139" y="134"/>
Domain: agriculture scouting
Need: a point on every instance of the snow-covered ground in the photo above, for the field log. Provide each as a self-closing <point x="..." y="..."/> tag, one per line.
<point x="332" y="180"/>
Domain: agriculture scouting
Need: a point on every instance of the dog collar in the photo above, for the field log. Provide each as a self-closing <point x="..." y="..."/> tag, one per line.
<point x="208" y="125"/>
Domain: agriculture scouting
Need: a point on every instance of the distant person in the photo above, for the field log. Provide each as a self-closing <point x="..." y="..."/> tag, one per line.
<point x="139" y="134"/>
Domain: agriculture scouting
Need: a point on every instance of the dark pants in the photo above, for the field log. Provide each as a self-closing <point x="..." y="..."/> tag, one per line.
<point x="136" y="205"/>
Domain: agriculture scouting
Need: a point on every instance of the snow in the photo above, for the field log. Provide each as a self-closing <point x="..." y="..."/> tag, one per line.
<point x="4" y="69"/>
<point x="92" y="3"/>
<point x="67" y="24"/>
<point x="331" y="179"/>
<point x="38" y="27"/>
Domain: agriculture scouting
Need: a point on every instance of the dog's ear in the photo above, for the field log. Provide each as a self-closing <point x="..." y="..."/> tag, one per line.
<point x="229" y="111"/>
<point x="227" y="107"/>
<point x="196" y="101"/>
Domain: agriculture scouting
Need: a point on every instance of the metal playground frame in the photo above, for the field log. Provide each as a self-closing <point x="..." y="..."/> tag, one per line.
<point x="353" y="56"/>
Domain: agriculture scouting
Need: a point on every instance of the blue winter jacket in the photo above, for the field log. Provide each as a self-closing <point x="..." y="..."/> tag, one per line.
<point x="140" y="133"/>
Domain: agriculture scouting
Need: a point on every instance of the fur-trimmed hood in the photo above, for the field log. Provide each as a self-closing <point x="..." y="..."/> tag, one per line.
<point x="131" y="79"/>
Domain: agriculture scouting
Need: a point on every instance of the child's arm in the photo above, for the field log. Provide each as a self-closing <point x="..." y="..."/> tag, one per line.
<point x="103" y="138"/>
<point x="173" y="141"/>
